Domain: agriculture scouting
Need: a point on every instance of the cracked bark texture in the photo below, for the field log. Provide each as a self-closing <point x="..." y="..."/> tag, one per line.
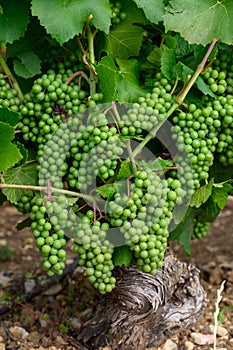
<point x="143" y="310"/>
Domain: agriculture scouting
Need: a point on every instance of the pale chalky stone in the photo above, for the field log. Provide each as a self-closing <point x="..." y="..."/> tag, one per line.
<point x="202" y="339"/>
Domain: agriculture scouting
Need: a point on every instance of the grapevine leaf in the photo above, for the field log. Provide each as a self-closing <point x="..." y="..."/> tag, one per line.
<point x="125" y="40"/>
<point x="209" y="210"/>
<point x="201" y="21"/>
<point x="199" y="52"/>
<point x="127" y="85"/>
<point x="183" y="71"/>
<point x="159" y="164"/>
<point x="71" y="201"/>
<point x="25" y="223"/>
<point x="23" y="175"/>
<point x="34" y="37"/>
<point x="202" y="194"/>
<point x="2" y="198"/>
<point x="183" y="232"/>
<point x="23" y="151"/>
<point x="168" y="63"/>
<point x="108" y="74"/>
<point x="122" y="256"/>
<point x="65" y="19"/>
<point x="182" y="46"/>
<point x="153" y="9"/>
<point x="130" y="137"/>
<point x="125" y="170"/>
<point x="9" y="153"/>
<point x="155" y="56"/>
<point x="170" y="41"/>
<point x="121" y="84"/>
<point x="8" y="116"/>
<point x="221" y="173"/>
<point x="106" y="191"/>
<point x="220" y="194"/>
<point x="14" y="18"/>
<point x="27" y="65"/>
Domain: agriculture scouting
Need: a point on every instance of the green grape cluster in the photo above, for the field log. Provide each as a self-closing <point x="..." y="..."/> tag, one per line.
<point x="219" y="75"/>
<point x="150" y="111"/>
<point x="95" y="252"/>
<point x="224" y="147"/>
<point x="117" y="13"/>
<point x="196" y="134"/>
<point x="9" y="97"/>
<point x="93" y="154"/>
<point x="160" y="99"/>
<point x="147" y="233"/>
<point x="50" y="102"/>
<point x="216" y="80"/>
<point x="25" y="203"/>
<point x="50" y="218"/>
<point x="200" y="228"/>
<point x="87" y="154"/>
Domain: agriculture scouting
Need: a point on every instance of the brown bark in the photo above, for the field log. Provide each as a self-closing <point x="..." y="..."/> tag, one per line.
<point x="144" y="310"/>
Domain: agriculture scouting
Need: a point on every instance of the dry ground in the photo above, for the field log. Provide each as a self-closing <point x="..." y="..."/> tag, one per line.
<point x="53" y="319"/>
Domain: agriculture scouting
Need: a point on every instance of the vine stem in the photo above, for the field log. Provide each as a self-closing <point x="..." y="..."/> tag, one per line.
<point x="179" y="99"/>
<point x="9" y="74"/>
<point x="91" y="51"/>
<point x="76" y="74"/>
<point x="129" y="149"/>
<point x="49" y="190"/>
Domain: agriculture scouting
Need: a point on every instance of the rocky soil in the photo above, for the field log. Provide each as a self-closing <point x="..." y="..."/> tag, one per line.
<point x="52" y="319"/>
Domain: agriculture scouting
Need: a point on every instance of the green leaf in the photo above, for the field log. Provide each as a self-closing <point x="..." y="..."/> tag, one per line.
<point x="2" y="198"/>
<point x="14" y="18"/>
<point x="153" y="9"/>
<point x="183" y="232"/>
<point x="127" y="84"/>
<point x="220" y="194"/>
<point x="201" y="21"/>
<point x="119" y="84"/>
<point x="125" y="40"/>
<point x="108" y="74"/>
<point x="122" y="256"/>
<point x="23" y="175"/>
<point x="182" y="46"/>
<point x="221" y="173"/>
<point x="125" y="170"/>
<point x="155" y="56"/>
<point x="27" y="65"/>
<point x="202" y="194"/>
<point x="168" y="63"/>
<point x="183" y="71"/>
<point x="34" y="37"/>
<point x="25" y="223"/>
<point x="209" y="210"/>
<point x="8" y="116"/>
<point x="9" y="153"/>
<point x="65" y="19"/>
<point x="106" y="191"/>
<point x="158" y="164"/>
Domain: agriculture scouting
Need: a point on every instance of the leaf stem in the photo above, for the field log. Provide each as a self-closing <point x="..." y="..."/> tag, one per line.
<point x="49" y="190"/>
<point x="10" y="75"/>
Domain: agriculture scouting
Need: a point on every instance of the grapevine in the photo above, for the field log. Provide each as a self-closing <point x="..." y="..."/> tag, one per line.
<point x="122" y="142"/>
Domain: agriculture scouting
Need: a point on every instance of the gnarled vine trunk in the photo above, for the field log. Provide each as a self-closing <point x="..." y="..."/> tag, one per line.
<point x="143" y="309"/>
